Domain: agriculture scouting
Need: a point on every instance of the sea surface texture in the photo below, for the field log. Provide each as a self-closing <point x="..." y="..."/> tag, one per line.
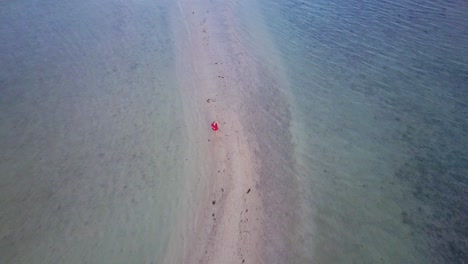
<point x="380" y="126"/>
<point x="356" y="112"/>
<point x="91" y="132"/>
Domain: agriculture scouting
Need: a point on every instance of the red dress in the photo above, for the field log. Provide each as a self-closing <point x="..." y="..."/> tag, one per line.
<point x="214" y="126"/>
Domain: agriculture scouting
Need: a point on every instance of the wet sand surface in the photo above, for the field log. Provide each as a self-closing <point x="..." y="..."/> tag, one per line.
<point x="228" y="226"/>
<point x="237" y="219"/>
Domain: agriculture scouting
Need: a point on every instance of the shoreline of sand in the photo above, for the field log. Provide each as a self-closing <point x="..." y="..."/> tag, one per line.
<point x="227" y="223"/>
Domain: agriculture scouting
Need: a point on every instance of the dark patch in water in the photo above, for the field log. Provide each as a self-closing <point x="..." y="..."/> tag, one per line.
<point x="438" y="177"/>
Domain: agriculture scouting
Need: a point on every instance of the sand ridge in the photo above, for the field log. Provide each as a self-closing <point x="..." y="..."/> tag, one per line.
<point x="227" y="227"/>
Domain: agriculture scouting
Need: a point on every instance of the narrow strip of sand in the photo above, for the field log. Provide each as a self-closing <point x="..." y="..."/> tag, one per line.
<point x="227" y="223"/>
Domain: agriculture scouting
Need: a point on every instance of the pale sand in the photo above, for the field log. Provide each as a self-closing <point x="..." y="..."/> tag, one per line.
<point x="227" y="222"/>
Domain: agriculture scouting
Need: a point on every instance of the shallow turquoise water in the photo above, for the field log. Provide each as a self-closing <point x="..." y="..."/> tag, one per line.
<point x="90" y="132"/>
<point x="379" y="118"/>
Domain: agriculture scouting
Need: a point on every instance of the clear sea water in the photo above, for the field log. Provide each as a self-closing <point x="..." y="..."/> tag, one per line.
<point x="379" y="110"/>
<point x="91" y="167"/>
<point x="363" y="136"/>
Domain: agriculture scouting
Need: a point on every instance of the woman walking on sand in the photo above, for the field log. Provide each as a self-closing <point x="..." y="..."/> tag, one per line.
<point x="214" y="127"/>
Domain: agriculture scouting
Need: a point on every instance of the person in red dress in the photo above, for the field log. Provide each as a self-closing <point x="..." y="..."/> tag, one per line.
<point x="214" y="127"/>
